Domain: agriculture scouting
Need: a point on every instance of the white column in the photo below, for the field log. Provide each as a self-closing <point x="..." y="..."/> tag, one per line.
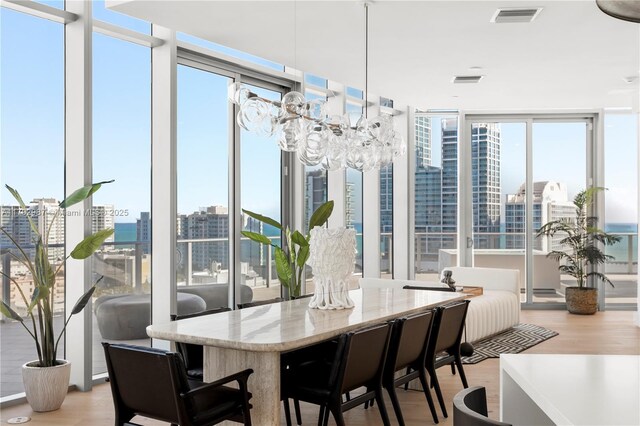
<point x="404" y="199"/>
<point x="638" y="235"/>
<point x="77" y="173"/>
<point x="336" y="179"/>
<point x="371" y="212"/>
<point x="163" y="178"/>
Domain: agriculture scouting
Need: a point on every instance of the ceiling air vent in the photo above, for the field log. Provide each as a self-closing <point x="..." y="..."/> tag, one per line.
<point x="504" y="16"/>
<point x="467" y="78"/>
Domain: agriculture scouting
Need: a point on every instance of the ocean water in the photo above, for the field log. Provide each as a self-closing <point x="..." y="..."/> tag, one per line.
<point x="125" y="232"/>
<point x="620" y="251"/>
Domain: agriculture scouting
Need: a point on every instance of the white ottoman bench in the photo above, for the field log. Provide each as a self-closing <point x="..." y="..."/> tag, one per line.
<point x="496" y="310"/>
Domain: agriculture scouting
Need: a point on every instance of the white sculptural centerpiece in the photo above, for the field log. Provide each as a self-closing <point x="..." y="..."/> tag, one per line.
<point x="332" y="257"/>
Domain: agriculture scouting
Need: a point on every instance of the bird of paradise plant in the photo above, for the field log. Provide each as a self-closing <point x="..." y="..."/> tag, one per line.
<point x="40" y="302"/>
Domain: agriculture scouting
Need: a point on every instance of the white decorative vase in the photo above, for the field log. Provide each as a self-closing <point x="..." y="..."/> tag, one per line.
<point x="332" y="257"/>
<point x="46" y="387"/>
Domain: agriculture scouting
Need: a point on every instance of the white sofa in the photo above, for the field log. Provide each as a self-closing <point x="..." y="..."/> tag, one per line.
<point x="496" y="310"/>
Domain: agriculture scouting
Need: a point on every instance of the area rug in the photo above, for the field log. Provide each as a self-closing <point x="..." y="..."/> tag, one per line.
<point x="516" y="339"/>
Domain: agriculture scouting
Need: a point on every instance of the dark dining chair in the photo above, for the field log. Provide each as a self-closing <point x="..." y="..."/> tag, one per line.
<point x="192" y="354"/>
<point x="470" y="408"/>
<point x="260" y="303"/>
<point x="408" y="351"/>
<point x="357" y="362"/>
<point x="153" y="383"/>
<point x="444" y="344"/>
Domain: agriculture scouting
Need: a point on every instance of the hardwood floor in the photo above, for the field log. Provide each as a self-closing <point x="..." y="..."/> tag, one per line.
<point x="612" y="332"/>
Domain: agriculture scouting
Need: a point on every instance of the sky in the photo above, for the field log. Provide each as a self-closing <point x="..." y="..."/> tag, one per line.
<point x="32" y="130"/>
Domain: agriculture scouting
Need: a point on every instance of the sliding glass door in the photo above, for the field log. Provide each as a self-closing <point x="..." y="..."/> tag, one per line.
<point x="525" y="171"/>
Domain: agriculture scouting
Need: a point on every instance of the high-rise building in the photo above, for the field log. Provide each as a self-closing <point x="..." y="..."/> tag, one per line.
<point x="349" y="205"/>
<point x="423" y="140"/>
<point x="208" y="223"/>
<point x="386" y="199"/>
<point x="550" y="202"/>
<point x="436" y="188"/>
<point x="143" y="231"/>
<point x="485" y="169"/>
<point x="315" y="191"/>
<point x="49" y="219"/>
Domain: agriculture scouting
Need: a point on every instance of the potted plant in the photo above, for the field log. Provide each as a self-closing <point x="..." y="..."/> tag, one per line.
<point x="583" y="241"/>
<point x="294" y="253"/>
<point x="46" y="380"/>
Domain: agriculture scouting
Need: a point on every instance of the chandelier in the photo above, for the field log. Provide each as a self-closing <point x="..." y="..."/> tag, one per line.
<point x="304" y="126"/>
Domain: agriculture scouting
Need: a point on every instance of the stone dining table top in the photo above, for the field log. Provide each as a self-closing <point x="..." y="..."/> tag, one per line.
<point x="284" y="326"/>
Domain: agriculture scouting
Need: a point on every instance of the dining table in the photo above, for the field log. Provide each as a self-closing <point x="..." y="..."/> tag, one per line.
<point x="256" y="337"/>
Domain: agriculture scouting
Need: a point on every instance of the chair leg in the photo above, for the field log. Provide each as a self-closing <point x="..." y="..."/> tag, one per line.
<point x="427" y="394"/>
<point x="336" y="410"/>
<point x="296" y="407"/>
<point x="391" y="390"/>
<point x="246" y="414"/>
<point x="287" y="411"/>
<point x="406" y="385"/>
<point x="463" y="377"/>
<point x="321" y="416"/>
<point x="325" y="416"/>
<point x="436" y="385"/>
<point x="453" y="369"/>
<point x="382" y="408"/>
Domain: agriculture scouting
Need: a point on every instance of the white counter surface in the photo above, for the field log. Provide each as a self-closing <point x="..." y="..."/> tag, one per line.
<point x="570" y="389"/>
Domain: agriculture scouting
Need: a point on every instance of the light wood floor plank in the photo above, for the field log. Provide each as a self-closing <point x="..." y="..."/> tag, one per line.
<point x="609" y="332"/>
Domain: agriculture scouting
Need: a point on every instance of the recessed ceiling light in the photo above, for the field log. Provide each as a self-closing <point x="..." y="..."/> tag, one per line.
<point x="630" y="79"/>
<point x="467" y="79"/>
<point x="475" y="68"/>
<point x="515" y="15"/>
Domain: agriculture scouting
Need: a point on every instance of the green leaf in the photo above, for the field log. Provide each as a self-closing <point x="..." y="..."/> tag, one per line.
<point x="259" y="238"/>
<point x="263" y="219"/>
<point x="82" y="302"/>
<point x="18" y="198"/>
<point x="303" y="256"/>
<point x="89" y="245"/>
<point x="35" y="298"/>
<point x="10" y="313"/>
<point x="82" y="194"/>
<point x="282" y="267"/>
<point x="321" y="215"/>
<point x="299" y="239"/>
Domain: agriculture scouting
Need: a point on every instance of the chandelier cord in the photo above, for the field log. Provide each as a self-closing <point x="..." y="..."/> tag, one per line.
<point x="366" y="60"/>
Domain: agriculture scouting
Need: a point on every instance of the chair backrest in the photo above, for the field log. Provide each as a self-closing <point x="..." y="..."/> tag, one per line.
<point x="362" y="360"/>
<point x="470" y="408"/>
<point x="259" y="303"/>
<point x="147" y="381"/>
<point x="448" y="327"/>
<point x="192" y="354"/>
<point x="409" y="340"/>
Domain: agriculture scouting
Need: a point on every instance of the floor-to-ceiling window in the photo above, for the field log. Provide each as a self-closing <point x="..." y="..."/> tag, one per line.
<point x="435" y="194"/>
<point x="498" y="174"/>
<point x="121" y="151"/>
<point x="315" y="177"/>
<point x="621" y="204"/>
<point x="31" y="161"/>
<point x="202" y="228"/>
<point x="353" y="181"/>
<point x="261" y="189"/>
<point x="559" y="167"/>
<point x="525" y="172"/>
<point x="386" y="209"/>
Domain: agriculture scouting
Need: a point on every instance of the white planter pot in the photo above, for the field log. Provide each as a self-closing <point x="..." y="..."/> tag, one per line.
<point x="46" y="387"/>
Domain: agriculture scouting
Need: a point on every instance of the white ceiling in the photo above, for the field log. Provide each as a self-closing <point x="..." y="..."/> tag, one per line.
<point x="571" y="56"/>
